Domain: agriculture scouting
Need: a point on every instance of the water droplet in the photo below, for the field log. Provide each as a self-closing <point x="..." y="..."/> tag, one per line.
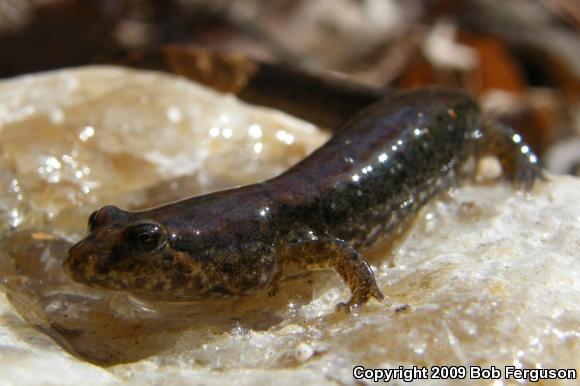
<point x="227" y="132"/>
<point x="285" y="137"/>
<point x="174" y="115"/>
<point x="86" y="133"/>
<point x="255" y="131"/>
<point x="214" y="132"/>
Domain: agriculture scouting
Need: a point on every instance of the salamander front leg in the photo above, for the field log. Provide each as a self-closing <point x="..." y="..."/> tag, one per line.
<point x="358" y="275"/>
<point x="518" y="161"/>
<point x="324" y="253"/>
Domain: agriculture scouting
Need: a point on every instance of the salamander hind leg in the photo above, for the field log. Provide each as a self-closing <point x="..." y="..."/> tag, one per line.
<point x="328" y="252"/>
<point x="519" y="163"/>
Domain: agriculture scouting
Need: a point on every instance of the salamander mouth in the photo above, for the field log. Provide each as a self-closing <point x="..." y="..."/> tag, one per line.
<point x="80" y="263"/>
<point x="89" y="261"/>
<point x="79" y="271"/>
<point x="85" y="271"/>
<point x="91" y="265"/>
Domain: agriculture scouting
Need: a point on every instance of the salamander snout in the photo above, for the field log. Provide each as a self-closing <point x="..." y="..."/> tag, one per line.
<point x="122" y="251"/>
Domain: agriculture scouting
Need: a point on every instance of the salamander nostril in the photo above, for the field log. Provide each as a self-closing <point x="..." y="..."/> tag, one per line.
<point x="105" y="215"/>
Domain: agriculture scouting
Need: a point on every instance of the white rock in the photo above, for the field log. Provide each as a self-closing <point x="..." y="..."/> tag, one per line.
<point x="484" y="276"/>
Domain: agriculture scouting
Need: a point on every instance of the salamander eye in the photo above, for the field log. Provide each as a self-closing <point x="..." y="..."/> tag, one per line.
<point x="145" y="237"/>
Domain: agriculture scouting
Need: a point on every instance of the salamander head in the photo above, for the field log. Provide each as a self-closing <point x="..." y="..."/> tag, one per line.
<point x="125" y="251"/>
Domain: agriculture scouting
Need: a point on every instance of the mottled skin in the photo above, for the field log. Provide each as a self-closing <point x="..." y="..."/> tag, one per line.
<point x="378" y="169"/>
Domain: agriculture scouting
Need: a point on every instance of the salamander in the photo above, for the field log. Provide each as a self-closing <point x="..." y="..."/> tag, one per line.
<point x="382" y="164"/>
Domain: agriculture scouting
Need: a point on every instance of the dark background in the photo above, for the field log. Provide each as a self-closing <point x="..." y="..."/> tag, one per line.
<point x="521" y="58"/>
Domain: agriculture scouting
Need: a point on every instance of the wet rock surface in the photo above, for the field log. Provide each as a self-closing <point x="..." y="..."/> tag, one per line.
<point x="484" y="276"/>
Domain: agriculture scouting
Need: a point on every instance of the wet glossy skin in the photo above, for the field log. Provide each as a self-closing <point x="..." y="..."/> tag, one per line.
<point x="376" y="171"/>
